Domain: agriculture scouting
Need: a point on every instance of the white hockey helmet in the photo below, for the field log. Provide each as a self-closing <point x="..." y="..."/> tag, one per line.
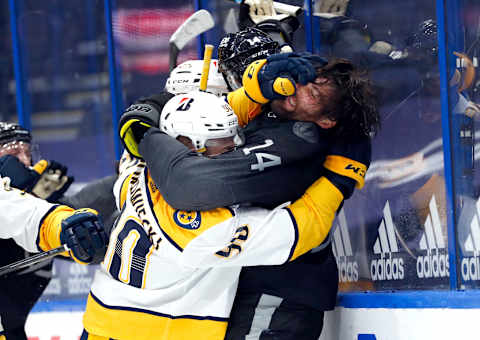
<point x="186" y="78"/>
<point x="200" y="116"/>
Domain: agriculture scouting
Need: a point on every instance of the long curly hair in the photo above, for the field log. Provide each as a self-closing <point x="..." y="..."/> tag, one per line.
<point x="354" y="104"/>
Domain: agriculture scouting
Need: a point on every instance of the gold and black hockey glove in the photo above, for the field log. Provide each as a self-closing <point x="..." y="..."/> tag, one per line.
<point x="276" y="76"/>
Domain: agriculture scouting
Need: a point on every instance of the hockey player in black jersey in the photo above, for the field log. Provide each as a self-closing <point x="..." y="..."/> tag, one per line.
<point x="280" y="159"/>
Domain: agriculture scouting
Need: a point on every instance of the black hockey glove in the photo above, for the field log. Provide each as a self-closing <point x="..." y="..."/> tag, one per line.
<point x="47" y="180"/>
<point x="85" y="237"/>
<point x="138" y="118"/>
<point x="21" y="176"/>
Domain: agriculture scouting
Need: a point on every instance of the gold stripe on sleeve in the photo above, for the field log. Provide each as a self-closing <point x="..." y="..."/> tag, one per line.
<point x="347" y="167"/>
<point x="49" y="233"/>
<point x="314" y="213"/>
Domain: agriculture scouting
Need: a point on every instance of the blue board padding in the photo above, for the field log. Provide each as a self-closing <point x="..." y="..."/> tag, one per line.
<point x="411" y="299"/>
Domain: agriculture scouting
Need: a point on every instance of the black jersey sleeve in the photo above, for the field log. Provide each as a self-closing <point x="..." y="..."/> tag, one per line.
<point x="277" y="164"/>
<point x="264" y="172"/>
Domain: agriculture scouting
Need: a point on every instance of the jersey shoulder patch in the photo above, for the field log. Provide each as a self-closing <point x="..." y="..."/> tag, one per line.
<point x="187" y="219"/>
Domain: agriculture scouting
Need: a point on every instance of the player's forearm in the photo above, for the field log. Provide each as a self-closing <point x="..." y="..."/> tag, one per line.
<point x="244" y="107"/>
<point x="22" y="215"/>
<point x="186" y="181"/>
<point x="51" y="226"/>
<point x="314" y="213"/>
<point x="190" y="182"/>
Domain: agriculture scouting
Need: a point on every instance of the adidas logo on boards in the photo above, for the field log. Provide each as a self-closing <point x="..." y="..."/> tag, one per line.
<point x="435" y="263"/>
<point x="342" y="249"/>
<point x="389" y="266"/>
<point x="471" y="264"/>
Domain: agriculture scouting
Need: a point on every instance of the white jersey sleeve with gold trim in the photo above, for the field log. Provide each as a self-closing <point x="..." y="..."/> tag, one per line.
<point x="21" y="217"/>
<point x="253" y="237"/>
<point x="268" y="237"/>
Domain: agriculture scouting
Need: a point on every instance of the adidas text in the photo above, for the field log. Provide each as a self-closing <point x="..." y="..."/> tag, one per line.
<point x="433" y="265"/>
<point x="387" y="268"/>
<point x="347" y="270"/>
<point x="471" y="268"/>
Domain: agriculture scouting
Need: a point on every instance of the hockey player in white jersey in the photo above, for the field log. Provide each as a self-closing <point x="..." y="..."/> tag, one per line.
<point x="37" y="225"/>
<point x="171" y="274"/>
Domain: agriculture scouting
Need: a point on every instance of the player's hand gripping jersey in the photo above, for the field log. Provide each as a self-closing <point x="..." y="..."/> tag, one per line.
<point x="172" y="275"/>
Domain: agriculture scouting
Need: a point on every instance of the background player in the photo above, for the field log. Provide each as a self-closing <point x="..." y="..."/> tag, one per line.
<point x="19" y="291"/>
<point x="36" y="225"/>
<point x="48" y="180"/>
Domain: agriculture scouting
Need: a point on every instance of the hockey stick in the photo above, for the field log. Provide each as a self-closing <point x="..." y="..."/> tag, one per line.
<point x="196" y="24"/>
<point x="282" y="8"/>
<point x="207" y="57"/>
<point x="29" y="261"/>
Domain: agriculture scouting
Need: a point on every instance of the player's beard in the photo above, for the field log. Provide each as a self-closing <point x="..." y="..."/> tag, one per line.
<point x="283" y="107"/>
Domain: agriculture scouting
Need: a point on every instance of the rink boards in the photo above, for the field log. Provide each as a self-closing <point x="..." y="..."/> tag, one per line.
<point x="359" y="316"/>
<point x="404" y="316"/>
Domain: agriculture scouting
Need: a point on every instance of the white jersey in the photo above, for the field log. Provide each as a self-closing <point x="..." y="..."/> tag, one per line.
<point x="172" y="275"/>
<point x="21" y="216"/>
